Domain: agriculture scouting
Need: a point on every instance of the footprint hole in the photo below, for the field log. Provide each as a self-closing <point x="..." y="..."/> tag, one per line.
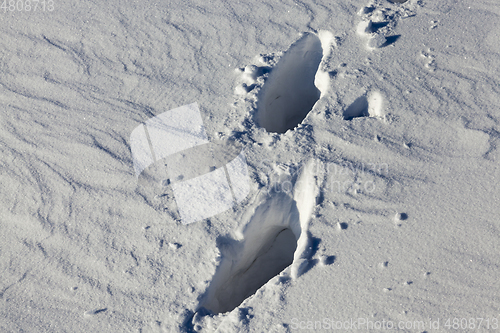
<point x="268" y="247"/>
<point x="290" y="91"/>
<point x="359" y="108"/>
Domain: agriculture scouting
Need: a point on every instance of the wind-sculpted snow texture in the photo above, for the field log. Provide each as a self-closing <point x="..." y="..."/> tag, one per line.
<point x="370" y="134"/>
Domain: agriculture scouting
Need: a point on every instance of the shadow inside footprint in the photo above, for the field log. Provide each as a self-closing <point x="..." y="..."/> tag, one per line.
<point x="391" y="40"/>
<point x="290" y="93"/>
<point x="359" y="108"/>
<point x="268" y="247"/>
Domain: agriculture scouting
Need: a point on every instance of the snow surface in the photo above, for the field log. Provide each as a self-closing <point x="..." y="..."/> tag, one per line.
<point x="374" y="181"/>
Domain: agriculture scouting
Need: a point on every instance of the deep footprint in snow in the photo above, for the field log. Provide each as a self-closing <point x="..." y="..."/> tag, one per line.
<point x="290" y="91"/>
<point x="275" y="235"/>
<point x="270" y="240"/>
